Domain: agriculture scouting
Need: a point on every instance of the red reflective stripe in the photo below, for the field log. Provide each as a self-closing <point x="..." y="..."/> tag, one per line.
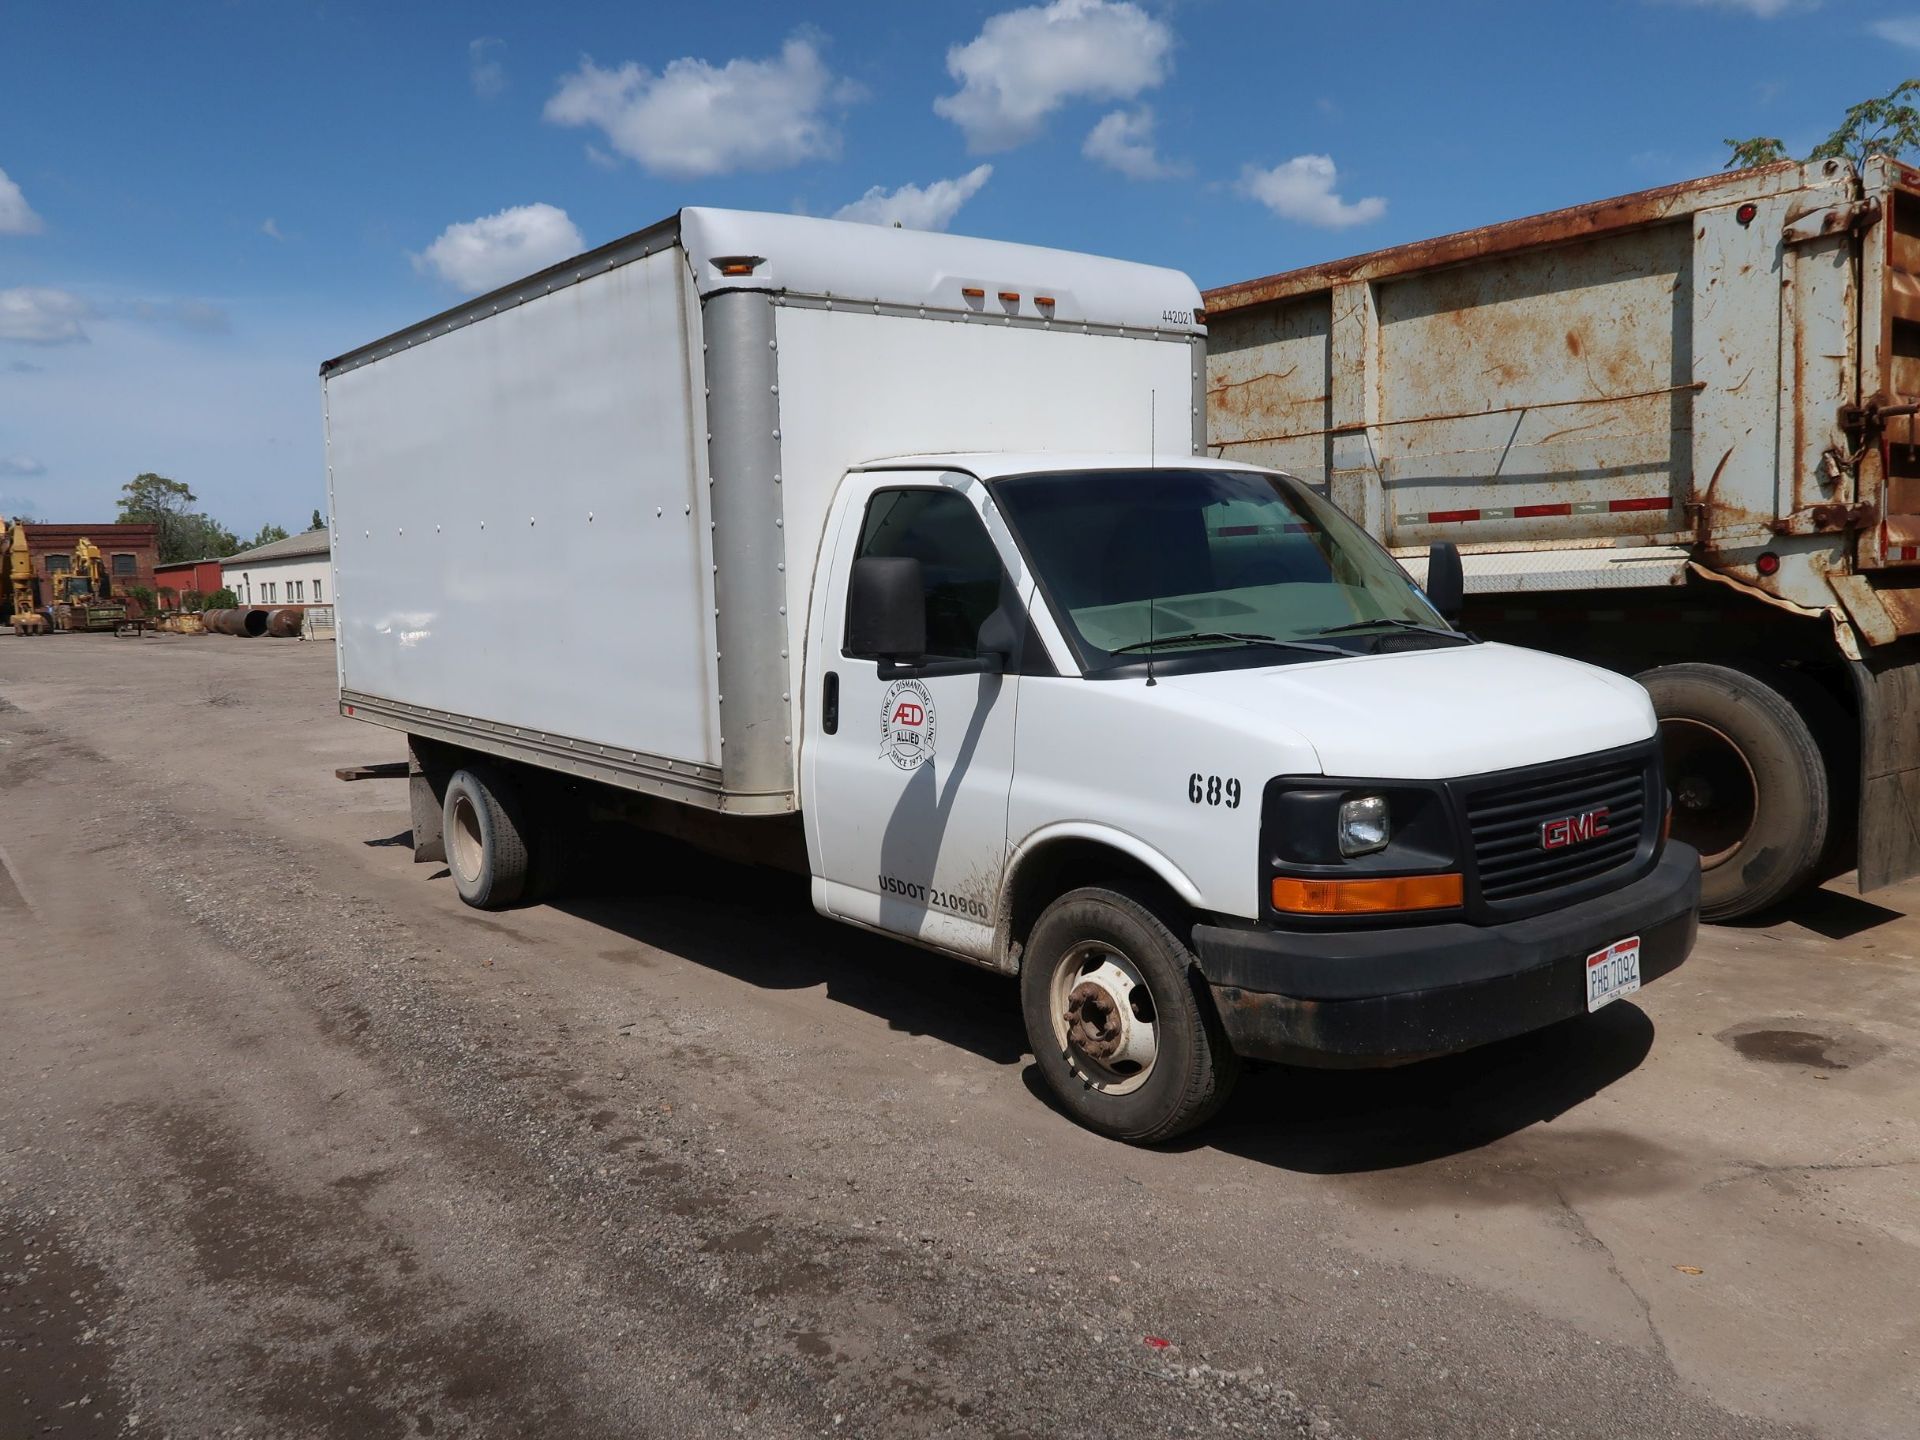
<point x="1238" y="530"/>
<point x="1521" y="512"/>
<point x="1648" y="502"/>
<point x="1442" y="517"/>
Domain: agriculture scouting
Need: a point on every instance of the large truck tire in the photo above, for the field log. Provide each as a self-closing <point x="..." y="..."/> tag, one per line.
<point x="1121" y="1030"/>
<point x="1749" y="784"/>
<point x="486" y="832"/>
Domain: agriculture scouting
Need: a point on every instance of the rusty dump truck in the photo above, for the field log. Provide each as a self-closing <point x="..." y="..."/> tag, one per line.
<point x="1673" y="433"/>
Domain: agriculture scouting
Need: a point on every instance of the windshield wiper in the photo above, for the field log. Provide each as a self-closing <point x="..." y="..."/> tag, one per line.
<point x="1242" y="637"/>
<point x="1354" y="626"/>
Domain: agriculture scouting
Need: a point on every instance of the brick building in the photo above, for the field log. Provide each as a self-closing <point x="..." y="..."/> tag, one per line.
<point x="129" y="552"/>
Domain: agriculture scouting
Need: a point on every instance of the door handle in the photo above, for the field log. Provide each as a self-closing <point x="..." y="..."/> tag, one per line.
<point x="830" y="703"/>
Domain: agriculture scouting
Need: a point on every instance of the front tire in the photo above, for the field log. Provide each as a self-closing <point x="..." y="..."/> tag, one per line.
<point x="1749" y="784"/>
<point x="486" y="832"/>
<point x="1119" y="1026"/>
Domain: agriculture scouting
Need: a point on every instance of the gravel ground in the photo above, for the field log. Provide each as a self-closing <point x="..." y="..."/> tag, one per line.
<point x="291" y="1143"/>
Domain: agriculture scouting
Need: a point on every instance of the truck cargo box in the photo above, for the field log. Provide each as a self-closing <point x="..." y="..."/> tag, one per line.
<point x="573" y="519"/>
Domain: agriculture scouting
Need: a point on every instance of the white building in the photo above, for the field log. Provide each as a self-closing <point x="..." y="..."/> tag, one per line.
<point x="294" y="571"/>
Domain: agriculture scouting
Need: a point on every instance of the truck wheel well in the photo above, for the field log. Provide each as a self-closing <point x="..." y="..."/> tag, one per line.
<point x="1058" y="866"/>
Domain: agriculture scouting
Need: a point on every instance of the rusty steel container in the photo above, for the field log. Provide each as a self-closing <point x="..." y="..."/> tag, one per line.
<point x="1667" y="431"/>
<point x="284" y="622"/>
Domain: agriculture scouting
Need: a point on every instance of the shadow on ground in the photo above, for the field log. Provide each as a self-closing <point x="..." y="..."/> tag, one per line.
<point x="1832" y="914"/>
<point x="1328" y="1122"/>
<point x="759" y="926"/>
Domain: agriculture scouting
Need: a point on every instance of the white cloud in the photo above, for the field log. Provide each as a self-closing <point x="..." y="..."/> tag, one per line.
<point x="1765" y="9"/>
<point x="483" y="254"/>
<point x="16" y="216"/>
<point x="1902" y="30"/>
<point x="1302" y="189"/>
<point x="694" y="118"/>
<point x="202" y="317"/>
<point x="1123" y="140"/>
<point x="913" y="208"/>
<point x="485" y="72"/>
<point x="38" y="315"/>
<point x="21" y="465"/>
<point x="1025" y="64"/>
<point x="271" y="229"/>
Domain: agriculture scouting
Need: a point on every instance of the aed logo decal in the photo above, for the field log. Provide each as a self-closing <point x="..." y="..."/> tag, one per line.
<point x="906" y="724"/>
<point x="1573" y="829"/>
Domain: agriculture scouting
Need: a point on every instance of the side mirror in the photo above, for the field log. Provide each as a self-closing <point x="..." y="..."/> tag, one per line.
<point x="1446" y="584"/>
<point x="886" y="609"/>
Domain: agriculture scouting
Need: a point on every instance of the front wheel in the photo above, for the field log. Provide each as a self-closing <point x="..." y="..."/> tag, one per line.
<point x="1119" y="1026"/>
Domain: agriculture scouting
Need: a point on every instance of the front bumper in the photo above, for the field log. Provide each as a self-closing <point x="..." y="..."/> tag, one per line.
<point x="1387" y="997"/>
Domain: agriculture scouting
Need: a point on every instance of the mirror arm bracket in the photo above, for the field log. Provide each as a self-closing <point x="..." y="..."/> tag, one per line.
<point x="991" y="663"/>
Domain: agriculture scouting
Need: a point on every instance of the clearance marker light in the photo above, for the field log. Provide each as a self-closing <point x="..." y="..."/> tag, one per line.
<point x="973" y="292"/>
<point x="1012" y="297"/>
<point x="1366" y="897"/>
<point x="1768" y="563"/>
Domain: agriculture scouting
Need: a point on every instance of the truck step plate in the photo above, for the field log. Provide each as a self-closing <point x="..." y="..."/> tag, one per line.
<point x="1613" y="972"/>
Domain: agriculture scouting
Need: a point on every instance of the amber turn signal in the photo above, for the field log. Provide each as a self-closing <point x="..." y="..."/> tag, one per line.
<point x="1366" y="897"/>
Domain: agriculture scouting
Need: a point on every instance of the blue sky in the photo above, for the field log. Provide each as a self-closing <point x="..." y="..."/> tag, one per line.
<point x="204" y="199"/>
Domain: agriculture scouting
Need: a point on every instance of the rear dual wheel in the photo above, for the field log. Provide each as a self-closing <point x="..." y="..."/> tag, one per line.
<point x="486" y="832"/>
<point x="1120" y="1027"/>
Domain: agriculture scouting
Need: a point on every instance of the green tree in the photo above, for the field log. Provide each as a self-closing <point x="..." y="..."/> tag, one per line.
<point x="268" y="534"/>
<point x="165" y="504"/>
<point x="210" y="540"/>
<point x="319" y="521"/>
<point x="183" y="533"/>
<point x="1885" y="125"/>
<point x="221" y="599"/>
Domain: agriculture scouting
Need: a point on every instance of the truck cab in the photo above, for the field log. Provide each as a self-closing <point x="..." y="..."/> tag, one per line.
<point x="1186" y="750"/>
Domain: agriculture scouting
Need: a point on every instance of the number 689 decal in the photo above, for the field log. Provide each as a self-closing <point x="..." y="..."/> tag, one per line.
<point x="1212" y="790"/>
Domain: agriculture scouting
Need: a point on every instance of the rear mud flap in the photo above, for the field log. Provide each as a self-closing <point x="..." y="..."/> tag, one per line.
<point x="1887" y="680"/>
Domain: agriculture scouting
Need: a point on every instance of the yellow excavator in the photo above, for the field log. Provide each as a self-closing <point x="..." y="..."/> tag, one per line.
<point x="26" y="619"/>
<point x="81" y="598"/>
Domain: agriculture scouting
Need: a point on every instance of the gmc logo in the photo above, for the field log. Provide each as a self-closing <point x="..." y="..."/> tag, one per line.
<point x="1573" y="829"/>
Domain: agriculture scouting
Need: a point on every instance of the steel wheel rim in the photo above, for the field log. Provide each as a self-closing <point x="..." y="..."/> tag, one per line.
<point x="466" y="848"/>
<point x="1706" y="769"/>
<point x="1105" y="1022"/>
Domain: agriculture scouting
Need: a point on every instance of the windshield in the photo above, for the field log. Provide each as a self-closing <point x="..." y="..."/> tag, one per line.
<point x="1165" y="562"/>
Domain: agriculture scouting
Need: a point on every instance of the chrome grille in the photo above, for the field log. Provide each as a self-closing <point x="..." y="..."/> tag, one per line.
<point x="1506" y="822"/>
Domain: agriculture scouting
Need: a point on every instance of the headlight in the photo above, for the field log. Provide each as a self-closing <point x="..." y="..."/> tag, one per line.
<point x="1363" y="825"/>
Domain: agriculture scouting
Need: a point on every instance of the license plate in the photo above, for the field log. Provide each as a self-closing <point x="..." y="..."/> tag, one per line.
<point x="1613" y="972"/>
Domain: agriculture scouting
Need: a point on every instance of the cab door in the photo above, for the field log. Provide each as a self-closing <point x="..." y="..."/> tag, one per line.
<point x="907" y="774"/>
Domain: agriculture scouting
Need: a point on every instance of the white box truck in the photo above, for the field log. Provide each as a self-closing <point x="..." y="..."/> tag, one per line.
<point x="1672" y="433"/>
<point x="893" y="557"/>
